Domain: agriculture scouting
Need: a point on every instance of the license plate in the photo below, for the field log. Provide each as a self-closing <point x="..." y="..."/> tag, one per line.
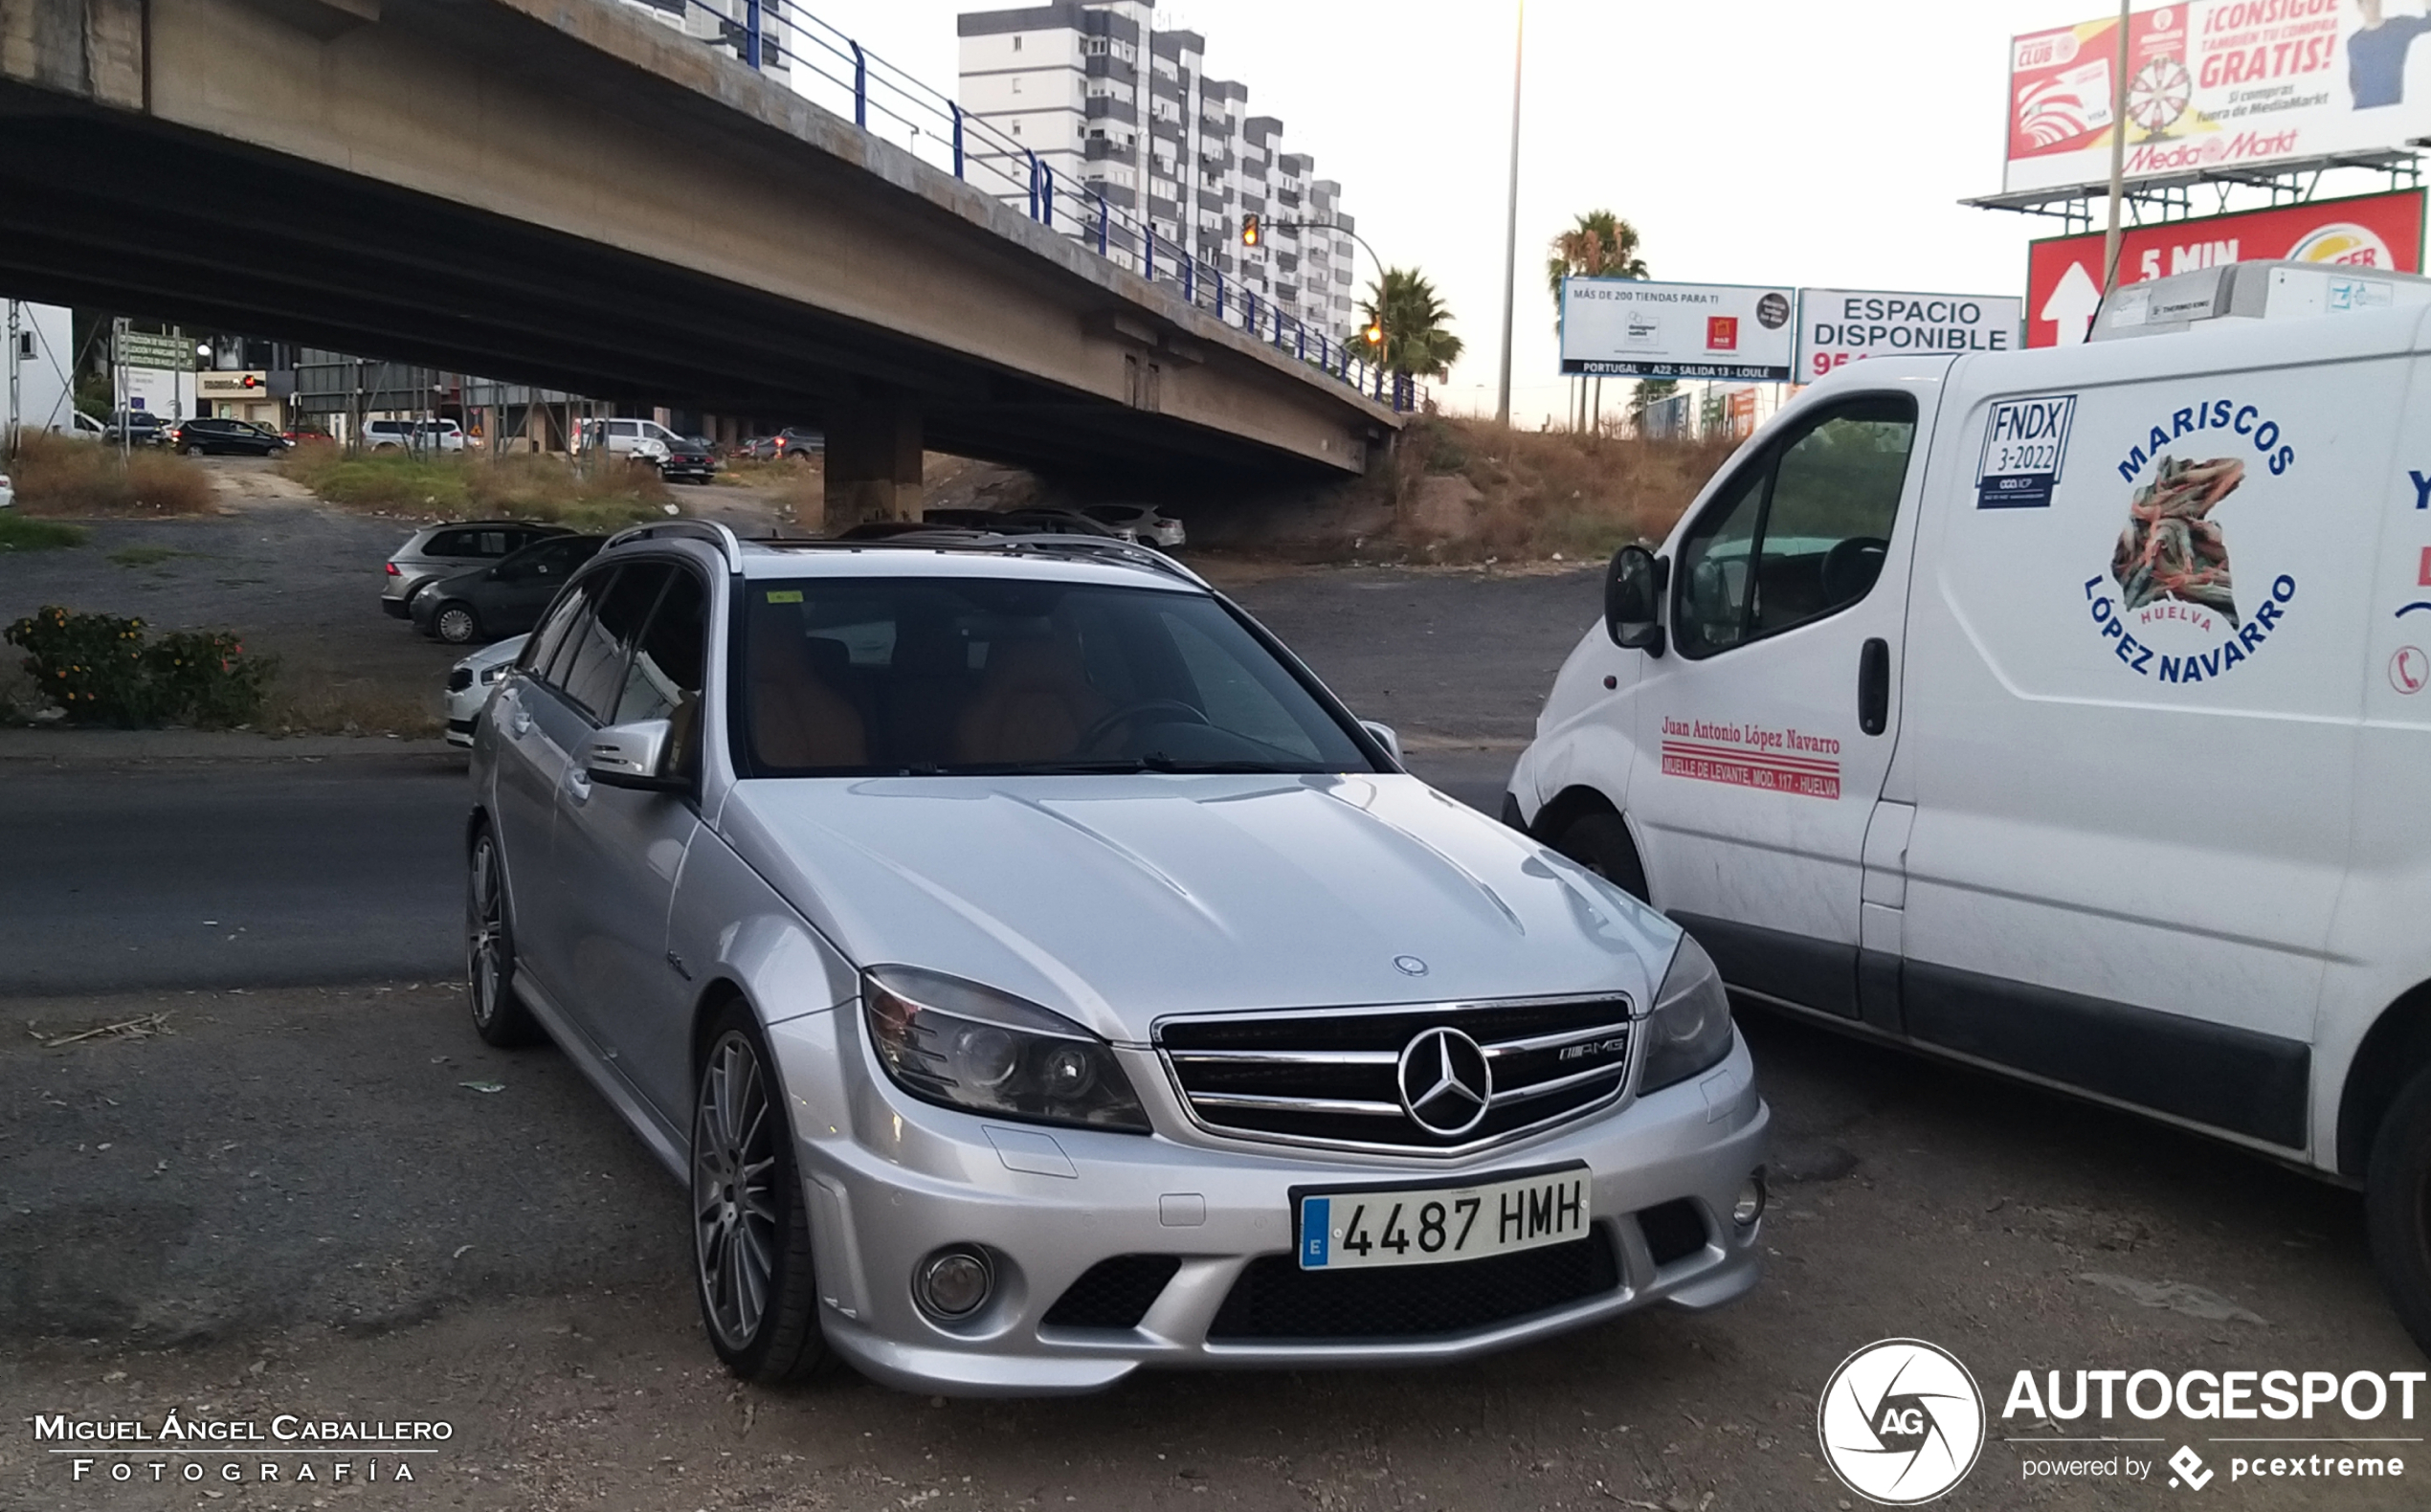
<point x="1431" y="1225"/>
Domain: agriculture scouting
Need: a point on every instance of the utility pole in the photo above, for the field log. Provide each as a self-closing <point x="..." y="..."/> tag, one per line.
<point x="16" y="395"/>
<point x="1510" y="226"/>
<point x="2118" y="152"/>
<point x="118" y="385"/>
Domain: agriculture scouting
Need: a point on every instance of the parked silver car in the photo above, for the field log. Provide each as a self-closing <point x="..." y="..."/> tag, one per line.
<point x="472" y="680"/>
<point x="1035" y="975"/>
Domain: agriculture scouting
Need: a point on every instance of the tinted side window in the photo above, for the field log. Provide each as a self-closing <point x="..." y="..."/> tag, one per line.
<point x="1711" y="610"/>
<point x="451" y="543"/>
<point x="596" y="673"/>
<point x="669" y="664"/>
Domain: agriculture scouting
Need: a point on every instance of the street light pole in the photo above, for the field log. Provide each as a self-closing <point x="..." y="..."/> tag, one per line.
<point x="1510" y="226"/>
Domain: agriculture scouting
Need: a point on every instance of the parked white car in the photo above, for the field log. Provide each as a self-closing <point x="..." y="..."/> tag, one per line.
<point x="1140" y="522"/>
<point x="472" y="680"/>
<point x="646" y="440"/>
<point x="7" y="492"/>
<point x="427" y="436"/>
<point x="1942" y="718"/>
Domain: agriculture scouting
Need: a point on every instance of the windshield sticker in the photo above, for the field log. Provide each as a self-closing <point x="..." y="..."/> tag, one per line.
<point x="2025" y="446"/>
<point x="2175" y="616"/>
<point x="1752" y="756"/>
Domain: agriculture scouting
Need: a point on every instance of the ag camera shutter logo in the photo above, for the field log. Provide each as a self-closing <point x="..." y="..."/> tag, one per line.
<point x="1901" y="1422"/>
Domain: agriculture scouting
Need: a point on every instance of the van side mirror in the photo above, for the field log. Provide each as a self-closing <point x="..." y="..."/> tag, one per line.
<point x="634" y="756"/>
<point x="1633" y="600"/>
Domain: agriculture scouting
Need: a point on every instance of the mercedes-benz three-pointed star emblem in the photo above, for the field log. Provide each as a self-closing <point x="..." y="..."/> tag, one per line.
<point x="1446" y="1084"/>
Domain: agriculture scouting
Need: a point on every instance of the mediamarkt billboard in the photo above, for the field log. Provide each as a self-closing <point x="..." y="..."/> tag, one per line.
<point x="1631" y="328"/>
<point x="2064" y="273"/>
<point x="2217" y="84"/>
<point x="1837" y="326"/>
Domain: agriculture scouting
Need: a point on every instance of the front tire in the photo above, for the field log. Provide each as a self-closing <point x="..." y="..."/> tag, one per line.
<point x="750" y="1238"/>
<point x="2398" y="1207"/>
<point x="499" y="1016"/>
<point x="1600" y="843"/>
<point x="455" y="624"/>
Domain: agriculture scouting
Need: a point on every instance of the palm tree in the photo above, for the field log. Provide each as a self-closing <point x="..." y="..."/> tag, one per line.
<point x="1598" y="245"/>
<point x="1418" y="337"/>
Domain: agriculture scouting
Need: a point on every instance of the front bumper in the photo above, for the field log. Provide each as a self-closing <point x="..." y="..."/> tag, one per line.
<point x="893" y="1180"/>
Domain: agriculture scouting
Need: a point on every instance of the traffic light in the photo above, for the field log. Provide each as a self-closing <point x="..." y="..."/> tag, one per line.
<point x="1249" y="231"/>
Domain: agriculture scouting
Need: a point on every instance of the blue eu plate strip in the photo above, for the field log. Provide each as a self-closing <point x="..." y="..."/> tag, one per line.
<point x="1316" y="1231"/>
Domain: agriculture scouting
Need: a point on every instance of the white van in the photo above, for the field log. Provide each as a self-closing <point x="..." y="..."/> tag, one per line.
<point x="2065" y="712"/>
<point x="645" y="440"/>
<point x="413" y="435"/>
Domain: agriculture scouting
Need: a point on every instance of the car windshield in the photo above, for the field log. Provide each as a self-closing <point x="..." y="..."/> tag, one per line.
<point x="938" y="676"/>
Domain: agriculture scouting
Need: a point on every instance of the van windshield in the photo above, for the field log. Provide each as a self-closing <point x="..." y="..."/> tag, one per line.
<point x="937" y="676"/>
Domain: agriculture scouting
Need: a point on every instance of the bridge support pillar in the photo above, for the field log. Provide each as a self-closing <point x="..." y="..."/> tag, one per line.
<point x="873" y="462"/>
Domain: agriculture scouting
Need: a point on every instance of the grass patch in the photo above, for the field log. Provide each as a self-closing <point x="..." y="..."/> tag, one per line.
<point x="143" y="556"/>
<point x="57" y="476"/>
<point x="523" y="486"/>
<point x="17" y="533"/>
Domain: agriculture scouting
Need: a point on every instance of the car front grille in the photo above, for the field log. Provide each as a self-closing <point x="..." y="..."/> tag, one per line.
<point x="1113" y="1294"/>
<point x="1336" y="1078"/>
<point x="1274" y="1300"/>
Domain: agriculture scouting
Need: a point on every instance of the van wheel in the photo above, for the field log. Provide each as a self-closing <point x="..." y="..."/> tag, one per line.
<point x="1600" y="843"/>
<point x="2398" y="1207"/>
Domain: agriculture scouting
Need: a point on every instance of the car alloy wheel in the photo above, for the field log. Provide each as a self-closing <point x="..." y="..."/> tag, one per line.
<point x="455" y="624"/>
<point x="499" y="1016"/>
<point x="734" y="1215"/>
<point x="750" y="1232"/>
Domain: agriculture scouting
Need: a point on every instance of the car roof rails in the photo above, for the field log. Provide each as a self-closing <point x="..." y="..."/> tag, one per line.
<point x="709" y="530"/>
<point x="1104" y="547"/>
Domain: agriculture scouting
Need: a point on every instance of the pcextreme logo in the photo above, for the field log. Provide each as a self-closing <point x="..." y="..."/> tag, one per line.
<point x="1901" y="1422"/>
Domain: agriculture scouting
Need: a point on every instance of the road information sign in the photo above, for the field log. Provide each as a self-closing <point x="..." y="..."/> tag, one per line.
<point x="147" y="350"/>
<point x="1633" y="328"/>
<point x="1838" y="326"/>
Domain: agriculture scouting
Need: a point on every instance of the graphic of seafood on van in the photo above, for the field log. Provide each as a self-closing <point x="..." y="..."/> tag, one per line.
<point x="2171" y="548"/>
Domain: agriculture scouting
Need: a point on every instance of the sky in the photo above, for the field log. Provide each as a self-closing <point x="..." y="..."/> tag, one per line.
<point x="1787" y="142"/>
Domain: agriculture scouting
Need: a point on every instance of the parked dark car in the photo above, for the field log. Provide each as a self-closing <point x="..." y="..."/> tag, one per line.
<point x="439" y="551"/>
<point x="788" y="442"/>
<point x="493" y="602"/>
<point x="689" y="459"/>
<point x="224" y="438"/>
<point x="142" y="428"/>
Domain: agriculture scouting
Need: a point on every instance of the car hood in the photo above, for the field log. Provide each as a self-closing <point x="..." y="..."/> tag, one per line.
<point x="1116" y="900"/>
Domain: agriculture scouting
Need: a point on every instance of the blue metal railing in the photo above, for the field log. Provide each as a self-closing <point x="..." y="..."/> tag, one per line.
<point x="841" y="76"/>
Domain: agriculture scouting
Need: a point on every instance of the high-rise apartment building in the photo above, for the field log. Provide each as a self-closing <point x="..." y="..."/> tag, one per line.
<point x="1114" y="107"/>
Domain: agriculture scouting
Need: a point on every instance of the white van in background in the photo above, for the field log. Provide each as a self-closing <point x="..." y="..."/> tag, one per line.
<point x="2065" y="712"/>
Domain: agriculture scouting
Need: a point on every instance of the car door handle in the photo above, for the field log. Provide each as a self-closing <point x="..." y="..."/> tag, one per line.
<point x="1874" y="687"/>
<point x="577" y="785"/>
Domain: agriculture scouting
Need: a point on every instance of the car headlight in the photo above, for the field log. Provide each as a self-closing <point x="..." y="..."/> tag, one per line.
<point x="1690" y="1029"/>
<point x="962" y="1045"/>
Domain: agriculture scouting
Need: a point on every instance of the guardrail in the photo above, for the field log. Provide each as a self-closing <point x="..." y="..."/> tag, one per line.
<point x="841" y="76"/>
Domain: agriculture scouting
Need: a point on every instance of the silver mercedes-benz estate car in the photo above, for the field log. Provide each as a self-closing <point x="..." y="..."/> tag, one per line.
<point x="1033" y="974"/>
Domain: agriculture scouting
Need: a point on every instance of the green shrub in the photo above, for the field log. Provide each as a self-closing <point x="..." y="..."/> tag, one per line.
<point x="99" y="670"/>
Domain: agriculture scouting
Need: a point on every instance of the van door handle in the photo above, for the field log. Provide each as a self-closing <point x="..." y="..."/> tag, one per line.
<point x="1874" y="687"/>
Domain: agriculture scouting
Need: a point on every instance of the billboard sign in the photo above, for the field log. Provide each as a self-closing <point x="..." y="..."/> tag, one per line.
<point x="1838" y="326"/>
<point x="1633" y="328"/>
<point x="2217" y="85"/>
<point x="2064" y="273"/>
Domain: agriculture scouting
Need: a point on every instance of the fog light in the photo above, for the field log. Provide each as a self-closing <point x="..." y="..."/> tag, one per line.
<point x="953" y="1283"/>
<point x="1751" y="1204"/>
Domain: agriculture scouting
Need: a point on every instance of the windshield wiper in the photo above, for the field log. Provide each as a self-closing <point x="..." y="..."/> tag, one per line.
<point x="1152" y="762"/>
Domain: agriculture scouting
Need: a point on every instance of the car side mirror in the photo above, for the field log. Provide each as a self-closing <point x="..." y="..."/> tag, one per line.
<point x="1633" y="600"/>
<point x="633" y="756"/>
<point x="1385" y="736"/>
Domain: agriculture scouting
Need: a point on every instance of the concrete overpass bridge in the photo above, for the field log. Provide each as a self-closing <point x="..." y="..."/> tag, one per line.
<point x="563" y="192"/>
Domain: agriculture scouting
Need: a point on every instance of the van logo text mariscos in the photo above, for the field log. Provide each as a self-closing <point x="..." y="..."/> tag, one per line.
<point x="2169" y="564"/>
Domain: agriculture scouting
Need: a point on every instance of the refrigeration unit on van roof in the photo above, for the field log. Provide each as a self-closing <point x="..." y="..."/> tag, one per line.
<point x="2251" y="291"/>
